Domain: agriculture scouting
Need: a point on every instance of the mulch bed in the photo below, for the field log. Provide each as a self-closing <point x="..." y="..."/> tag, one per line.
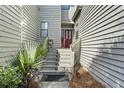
<point x="82" y="79"/>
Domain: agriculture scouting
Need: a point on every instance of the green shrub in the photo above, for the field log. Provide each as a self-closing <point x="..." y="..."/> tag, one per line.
<point x="28" y="62"/>
<point x="23" y="66"/>
<point x="41" y="50"/>
<point x="9" y="78"/>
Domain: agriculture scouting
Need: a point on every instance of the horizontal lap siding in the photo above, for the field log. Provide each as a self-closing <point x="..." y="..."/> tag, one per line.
<point x="52" y="15"/>
<point x="65" y="16"/>
<point x="102" y="43"/>
<point x="76" y="28"/>
<point x="30" y="23"/>
<point x="10" y="29"/>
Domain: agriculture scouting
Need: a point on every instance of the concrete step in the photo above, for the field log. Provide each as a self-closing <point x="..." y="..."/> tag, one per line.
<point x="52" y="54"/>
<point x="50" y="66"/>
<point x="50" y="63"/>
<point x="51" y="57"/>
<point x="55" y="78"/>
<point x="53" y="50"/>
<point x="52" y="72"/>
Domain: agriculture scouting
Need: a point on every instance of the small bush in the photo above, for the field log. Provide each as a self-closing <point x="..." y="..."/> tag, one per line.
<point x="9" y="78"/>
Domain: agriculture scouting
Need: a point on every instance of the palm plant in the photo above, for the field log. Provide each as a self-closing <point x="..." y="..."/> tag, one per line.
<point x="28" y="61"/>
<point x="41" y="50"/>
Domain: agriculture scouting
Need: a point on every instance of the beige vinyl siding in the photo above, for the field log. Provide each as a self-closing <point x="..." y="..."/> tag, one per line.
<point x="65" y="16"/>
<point x="11" y="29"/>
<point x="102" y="43"/>
<point x="76" y="29"/>
<point x="30" y="23"/>
<point x="52" y="15"/>
<point x="10" y="32"/>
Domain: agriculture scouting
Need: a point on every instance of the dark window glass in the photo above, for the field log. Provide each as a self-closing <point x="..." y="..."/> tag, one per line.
<point x="44" y="33"/>
<point x="44" y="29"/>
<point x="65" y="7"/>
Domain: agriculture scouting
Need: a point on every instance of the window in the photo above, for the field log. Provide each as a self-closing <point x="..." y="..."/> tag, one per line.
<point x="44" y="29"/>
<point x="65" y="7"/>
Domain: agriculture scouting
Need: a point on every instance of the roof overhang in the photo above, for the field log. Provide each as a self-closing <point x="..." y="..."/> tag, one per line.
<point x="67" y="22"/>
<point x="77" y="11"/>
<point x="67" y="25"/>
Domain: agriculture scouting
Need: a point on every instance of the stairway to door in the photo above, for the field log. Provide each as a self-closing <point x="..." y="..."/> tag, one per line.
<point x="52" y="77"/>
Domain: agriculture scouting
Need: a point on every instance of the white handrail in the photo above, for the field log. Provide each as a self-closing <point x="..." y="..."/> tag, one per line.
<point x="66" y="60"/>
<point x="74" y="45"/>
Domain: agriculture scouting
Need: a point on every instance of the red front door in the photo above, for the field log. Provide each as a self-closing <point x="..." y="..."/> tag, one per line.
<point x="66" y="38"/>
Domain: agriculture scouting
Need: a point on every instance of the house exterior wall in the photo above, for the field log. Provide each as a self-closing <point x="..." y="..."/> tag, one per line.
<point x="30" y="26"/>
<point x="65" y="18"/>
<point x="10" y="31"/>
<point x="102" y="42"/>
<point x="17" y="25"/>
<point x="52" y="15"/>
<point x="76" y="29"/>
<point x="72" y="11"/>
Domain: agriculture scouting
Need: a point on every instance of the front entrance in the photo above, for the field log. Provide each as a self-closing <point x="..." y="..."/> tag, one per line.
<point x="66" y="38"/>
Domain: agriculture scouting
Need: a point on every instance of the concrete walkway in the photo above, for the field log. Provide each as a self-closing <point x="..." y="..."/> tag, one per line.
<point x="54" y="84"/>
<point x="55" y="81"/>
